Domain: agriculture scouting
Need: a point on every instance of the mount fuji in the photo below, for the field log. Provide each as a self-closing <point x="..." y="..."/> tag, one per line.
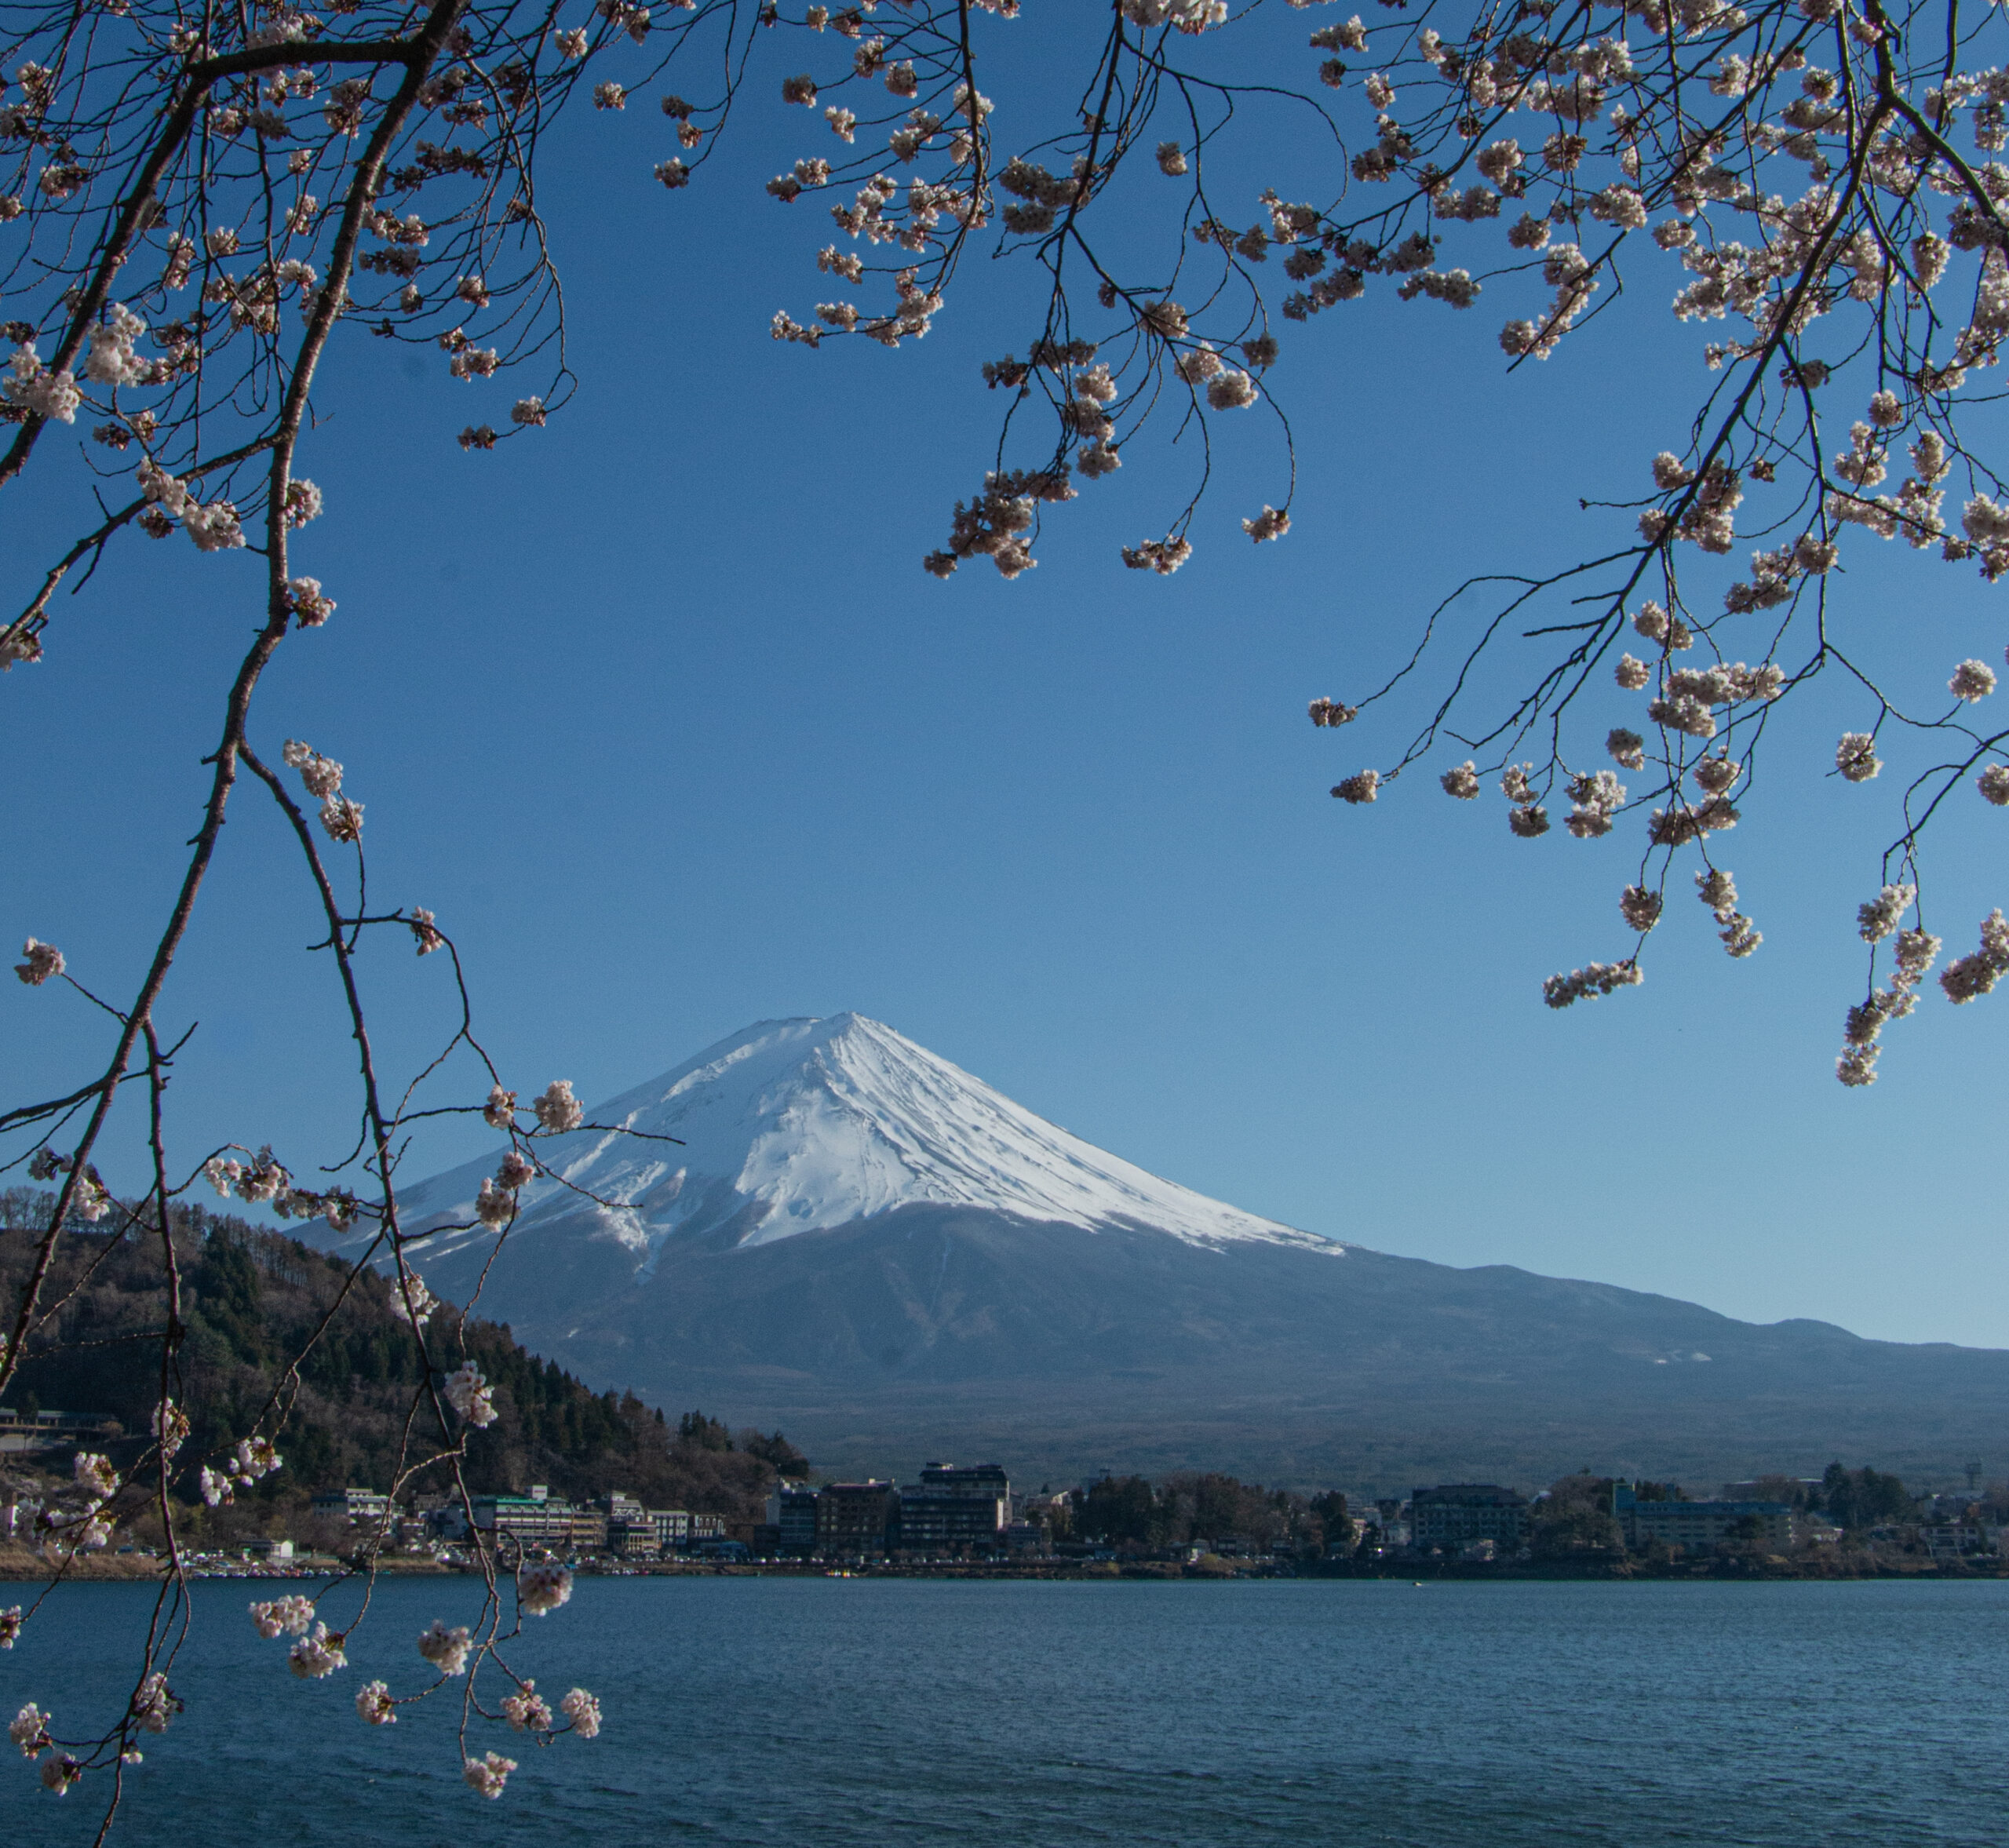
<point x="797" y="1126"/>
<point x="819" y="1224"/>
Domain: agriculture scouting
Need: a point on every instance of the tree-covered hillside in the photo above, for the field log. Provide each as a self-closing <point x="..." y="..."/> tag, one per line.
<point x="251" y="1300"/>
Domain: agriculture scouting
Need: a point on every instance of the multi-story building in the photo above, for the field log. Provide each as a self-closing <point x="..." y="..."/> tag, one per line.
<point x="631" y="1528"/>
<point x="792" y="1514"/>
<point x="1453" y="1514"/>
<point x="857" y="1519"/>
<point x="535" y="1520"/>
<point x="351" y="1505"/>
<point x="954" y="1510"/>
<point x="1955" y="1540"/>
<point x="673" y="1528"/>
<point x="1699" y="1524"/>
<point x="633" y="1539"/>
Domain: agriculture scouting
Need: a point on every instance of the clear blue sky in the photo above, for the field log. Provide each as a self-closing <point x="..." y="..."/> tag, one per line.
<point x="658" y="712"/>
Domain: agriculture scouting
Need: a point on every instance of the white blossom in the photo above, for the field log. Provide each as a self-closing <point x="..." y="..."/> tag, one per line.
<point x="470" y="1395"/>
<point x="30" y="1730"/>
<point x="111" y="360"/>
<point x="1967" y="978"/>
<point x="557" y="1109"/>
<point x="541" y="1588"/>
<point x="1877" y="920"/>
<point x="1231" y="390"/>
<point x="495" y="1207"/>
<point x="446" y="1649"/>
<point x="411" y="1301"/>
<point x="290" y="1616"/>
<point x="583" y="1711"/>
<point x="155" y="1704"/>
<point x="316" y="1656"/>
<point x="1856" y="757"/>
<point x="1593" y="979"/>
<point x="1639" y="907"/>
<point x="488" y="1774"/>
<point x="1972" y="681"/>
<point x="528" y="1711"/>
<point x="59" y="1772"/>
<point x="39" y="392"/>
<point x="44" y="960"/>
<point x="95" y="1475"/>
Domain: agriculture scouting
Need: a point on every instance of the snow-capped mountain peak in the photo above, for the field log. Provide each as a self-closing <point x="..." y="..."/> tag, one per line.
<point x="793" y="1126"/>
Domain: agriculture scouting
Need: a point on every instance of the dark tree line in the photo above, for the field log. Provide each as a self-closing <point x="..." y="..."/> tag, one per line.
<point x="252" y="1301"/>
<point x="1130" y="1512"/>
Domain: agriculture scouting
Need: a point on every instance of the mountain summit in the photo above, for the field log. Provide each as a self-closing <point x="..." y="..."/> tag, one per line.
<point x="853" y="1240"/>
<point x="797" y="1126"/>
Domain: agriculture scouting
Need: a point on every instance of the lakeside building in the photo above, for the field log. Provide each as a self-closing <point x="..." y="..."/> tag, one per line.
<point x="637" y="1533"/>
<point x="792" y="1514"/>
<point x="631" y="1528"/>
<point x="1454" y="1515"/>
<point x="618" y="1524"/>
<point x="857" y="1519"/>
<point x="954" y="1510"/>
<point x="1029" y="1539"/>
<point x="1701" y="1524"/>
<point x="351" y="1505"/>
<point x="531" y="1520"/>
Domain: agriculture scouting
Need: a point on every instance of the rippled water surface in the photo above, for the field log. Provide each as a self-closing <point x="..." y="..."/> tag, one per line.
<point x="833" y="1712"/>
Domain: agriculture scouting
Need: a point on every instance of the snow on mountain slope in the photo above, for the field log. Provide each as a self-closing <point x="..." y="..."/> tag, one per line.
<point x="796" y="1125"/>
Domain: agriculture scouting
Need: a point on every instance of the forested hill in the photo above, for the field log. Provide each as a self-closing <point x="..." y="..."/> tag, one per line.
<point x="251" y="1300"/>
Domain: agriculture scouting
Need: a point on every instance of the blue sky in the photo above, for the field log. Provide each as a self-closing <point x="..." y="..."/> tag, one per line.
<point x="659" y="714"/>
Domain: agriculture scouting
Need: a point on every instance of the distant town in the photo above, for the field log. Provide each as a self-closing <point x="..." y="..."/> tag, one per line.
<point x="609" y="1481"/>
<point x="972" y="1516"/>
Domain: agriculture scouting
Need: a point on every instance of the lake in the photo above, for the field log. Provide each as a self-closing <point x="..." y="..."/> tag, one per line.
<point x="840" y="1711"/>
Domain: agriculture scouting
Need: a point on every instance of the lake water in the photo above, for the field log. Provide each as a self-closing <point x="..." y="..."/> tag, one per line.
<point x="824" y="1713"/>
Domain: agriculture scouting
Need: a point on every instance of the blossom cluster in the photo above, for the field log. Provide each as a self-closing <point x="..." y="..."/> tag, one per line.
<point x="541" y="1588"/>
<point x="470" y="1395"/>
<point x="253" y="1458"/>
<point x="342" y="818"/>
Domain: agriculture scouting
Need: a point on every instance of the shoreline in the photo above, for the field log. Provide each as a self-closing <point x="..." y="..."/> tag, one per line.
<point x="18" y="1566"/>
